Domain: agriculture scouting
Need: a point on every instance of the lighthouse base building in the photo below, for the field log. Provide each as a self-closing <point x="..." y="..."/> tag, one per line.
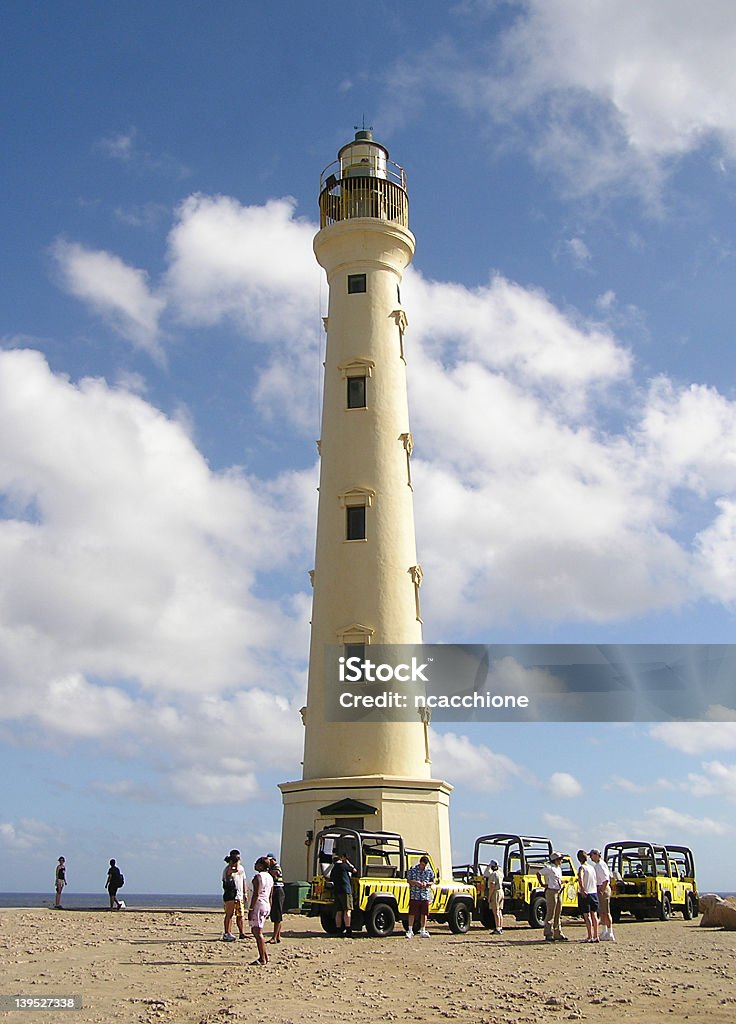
<point x="416" y="808"/>
<point x="364" y="774"/>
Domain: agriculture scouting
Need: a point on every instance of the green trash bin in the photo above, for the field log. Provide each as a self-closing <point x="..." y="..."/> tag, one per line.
<point x="294" y="894"/>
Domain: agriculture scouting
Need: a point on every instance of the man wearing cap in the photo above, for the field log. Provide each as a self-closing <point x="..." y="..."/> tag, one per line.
<point x="603" y="883"/>
<point x="495" y="895"/>
<point x="551" y="874"/>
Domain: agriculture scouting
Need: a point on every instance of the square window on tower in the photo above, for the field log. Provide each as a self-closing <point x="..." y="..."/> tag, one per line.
<point x="356" y="393"/>
<point x="355" y="651"/>
<point x="356" y="283"/>
<point x="355" y="522"/>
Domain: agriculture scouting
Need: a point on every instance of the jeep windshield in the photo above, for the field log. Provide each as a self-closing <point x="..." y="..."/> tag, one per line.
<point x="515" y="854"/>
<point x="630" y="861"/>
<point x="376" y="854"/>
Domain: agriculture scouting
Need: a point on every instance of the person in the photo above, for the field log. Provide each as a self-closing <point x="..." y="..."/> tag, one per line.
<point x="234" y="893"/>
<point x="260" y="907"/>
<point x="342" y="888"/>
<point x="277" y="901"/>
<point x="60" y="881"/>
<point x="551" y="875"/>
<point x="421" y="877"/>
<point x="588" y="896"/>
<point x="114" y="882"/>
<point x="603" y="882"/>
<point x="495" y="895"/>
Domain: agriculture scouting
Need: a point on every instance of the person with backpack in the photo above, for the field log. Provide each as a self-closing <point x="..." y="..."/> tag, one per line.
<point x="114" y="882"/>
<point x="234" y="895"/>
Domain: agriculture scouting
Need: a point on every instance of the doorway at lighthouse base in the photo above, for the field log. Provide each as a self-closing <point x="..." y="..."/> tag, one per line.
<point x="416" y="808"/>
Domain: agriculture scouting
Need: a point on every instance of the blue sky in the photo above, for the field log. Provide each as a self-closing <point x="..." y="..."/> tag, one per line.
<point x="571" y="319"/>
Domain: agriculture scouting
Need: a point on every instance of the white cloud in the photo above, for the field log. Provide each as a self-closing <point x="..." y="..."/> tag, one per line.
<point x="118" y="147"/>
<point x="689" y="437"/>
<point x="128" y="572"/>
<point x="563" y="786"/>
<point x="577" y="251"/>
<point x="118" y="293"/>
<point x="662" y="823"/>
<point x="518" y="331"/>
<point x="663" y="71"/>
<point x="717" y="779"/>
<point x="476" y="766"/>
<point x="126" y="148"/>
<point x="716" y="553"/>
<point x="626" y="785"/>
<point x="197" y="786"/>
<point x="562" y="828"/>
<point x="525" y="505"/>
<point x="696" y="737"/>
<point x="602" y="93"/>
<point x="250" y="264"/>
<point x="28" y="834"/>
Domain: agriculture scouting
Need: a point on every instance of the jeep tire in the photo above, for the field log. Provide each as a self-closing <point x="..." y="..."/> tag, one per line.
<point x="459" y="917"/>
<point x="665" y="907"/>
<point x="380" y="920"/>
<point x="537" y="911"/>
<point x="485" y="915"/>
<point x="688" y="911"/>
<point x="327" y="920"/>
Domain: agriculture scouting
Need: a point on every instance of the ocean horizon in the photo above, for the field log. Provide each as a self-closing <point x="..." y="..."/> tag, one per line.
<point x="133" y="901"/>
<point x="100" y="900"/>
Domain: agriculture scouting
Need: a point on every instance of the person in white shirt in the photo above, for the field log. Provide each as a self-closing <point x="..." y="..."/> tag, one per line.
<point x="495" y="895"/>
<point x="260" y="907"/>
<point x="551" y="875"/>
<point x="603" y="881"/>
<point x="588" y="896"/>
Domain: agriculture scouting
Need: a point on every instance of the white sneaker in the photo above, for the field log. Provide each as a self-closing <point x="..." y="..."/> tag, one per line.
<point x="611" y="936"/>
<point x="227" y="937"/>
<point x="409" y="933"/>
<point x="424" y="934"/>
<point x="606" y="935"/>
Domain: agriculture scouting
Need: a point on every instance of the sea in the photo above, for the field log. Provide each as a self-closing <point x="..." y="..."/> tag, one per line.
<point x="133" y="901"/>
<point x="100" y="901"/>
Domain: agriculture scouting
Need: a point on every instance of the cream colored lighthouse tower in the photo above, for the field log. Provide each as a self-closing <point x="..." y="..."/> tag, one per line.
<point x="373" y="775"/>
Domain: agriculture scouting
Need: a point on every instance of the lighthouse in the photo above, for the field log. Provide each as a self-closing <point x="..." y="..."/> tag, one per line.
<point x="366" y="579"/>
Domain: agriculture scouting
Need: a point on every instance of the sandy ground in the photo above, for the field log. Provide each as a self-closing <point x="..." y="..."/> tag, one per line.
<point x="171" y="966"/>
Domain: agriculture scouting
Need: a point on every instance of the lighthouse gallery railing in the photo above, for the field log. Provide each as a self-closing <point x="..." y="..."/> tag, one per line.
<point x="364" y="196"/>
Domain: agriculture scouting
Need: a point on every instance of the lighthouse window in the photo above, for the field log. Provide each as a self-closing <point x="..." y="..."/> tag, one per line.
<point x="355" y="518"/>
<point x="356" y="283"/>
<point x="356" y="393"/>
<point x="354" y="651"/>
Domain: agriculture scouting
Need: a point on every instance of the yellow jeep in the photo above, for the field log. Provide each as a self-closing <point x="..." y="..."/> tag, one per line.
<point x="649" y="880"/>
<point x="381" y="889"/>
<point x="521" y="859"/>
